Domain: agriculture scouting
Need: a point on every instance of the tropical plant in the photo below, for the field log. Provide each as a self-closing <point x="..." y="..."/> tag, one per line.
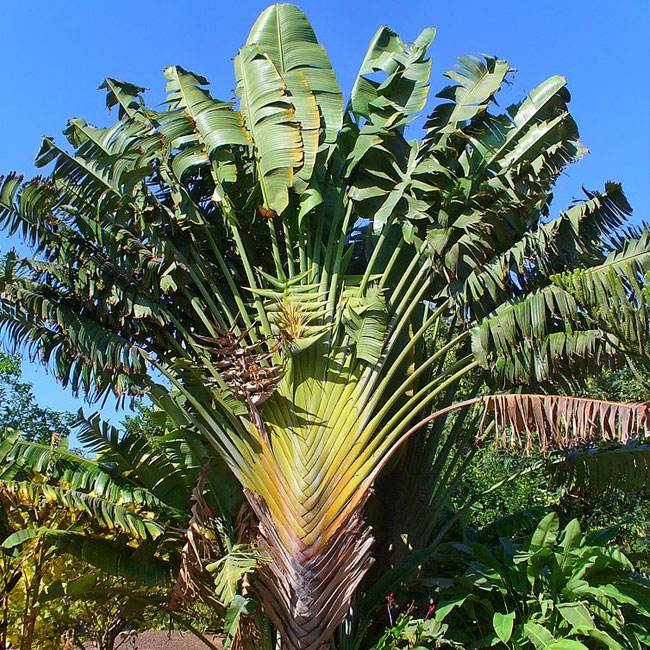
<point x="90" y="607"/>
<point x="598" y="495"/>
<point x="48" y="506"/>
<point x="298" y="284"/>
<point x="552" y="587"/>
<point x="28" y="519"/>
<point x="124" y="512"/>
<point x="409" y="632"/>
<point x="62" y="615"/>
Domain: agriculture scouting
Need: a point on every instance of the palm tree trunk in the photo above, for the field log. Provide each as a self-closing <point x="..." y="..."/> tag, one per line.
<point x="307" y="590"/>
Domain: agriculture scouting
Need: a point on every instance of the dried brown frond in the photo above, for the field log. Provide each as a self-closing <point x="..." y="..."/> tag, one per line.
<point x="246" y="525"/>
<point x="201" y="548"/>
<point x="243" y="367"/>
<point x="561" y="422"/>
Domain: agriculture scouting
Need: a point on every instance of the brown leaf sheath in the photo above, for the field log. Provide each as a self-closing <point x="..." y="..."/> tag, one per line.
<point x="306" y="592"/>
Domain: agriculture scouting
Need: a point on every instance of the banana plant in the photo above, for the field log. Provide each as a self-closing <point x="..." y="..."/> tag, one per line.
<point x="129" y="512"/>
<point x="54" y="501"/>
<point x="319" y="298"/>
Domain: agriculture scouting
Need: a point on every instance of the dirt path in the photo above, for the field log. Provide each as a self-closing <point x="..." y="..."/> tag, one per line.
<point x="153" y="640"/>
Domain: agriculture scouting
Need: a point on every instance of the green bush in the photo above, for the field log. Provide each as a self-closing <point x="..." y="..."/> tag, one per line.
<point x="629" y="510"/>
<point x="556" y="590"/>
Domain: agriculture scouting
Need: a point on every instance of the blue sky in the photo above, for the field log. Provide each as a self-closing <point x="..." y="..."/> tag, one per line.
<point x="55" y="54"/>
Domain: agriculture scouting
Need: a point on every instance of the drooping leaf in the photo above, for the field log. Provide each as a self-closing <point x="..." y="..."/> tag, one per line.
<point x="563" y="421"/>
<point x="238" y="608"/>
<point x="626" y="467"/>
<point x="21" y="536"/>
<point x="104" y="555"/>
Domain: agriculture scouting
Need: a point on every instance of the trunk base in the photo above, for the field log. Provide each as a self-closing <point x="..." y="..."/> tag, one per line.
<point x="307" y="592"/>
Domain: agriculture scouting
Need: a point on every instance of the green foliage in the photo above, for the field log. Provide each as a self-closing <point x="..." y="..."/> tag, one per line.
<point x="144" y="420"/>
<point x="619" y="500"/>
<point x="61" y="514"/>
<point x="231" y="569"/>
<point x="555" y="588"/>
<point x="19" y="408"/>
<point x="237" y="609"/>
<point x="531" y="489"/>
<point x="91" y="607"/>
<point x="79" y="606"/>
<point x="266" y="272"/>
<point x="409" y="632"/>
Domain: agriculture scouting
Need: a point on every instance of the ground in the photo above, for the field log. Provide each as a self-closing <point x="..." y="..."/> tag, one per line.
<point x="153" y="640"/>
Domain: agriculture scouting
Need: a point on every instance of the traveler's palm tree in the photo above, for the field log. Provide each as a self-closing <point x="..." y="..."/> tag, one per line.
<point x="291" y="278"/>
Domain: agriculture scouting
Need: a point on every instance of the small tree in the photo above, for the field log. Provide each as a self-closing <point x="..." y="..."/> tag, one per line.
<point x="60" y="513"/>
<point x="19" y="408"/>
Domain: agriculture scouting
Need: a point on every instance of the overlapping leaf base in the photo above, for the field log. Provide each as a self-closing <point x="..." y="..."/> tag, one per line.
<point x="307" y="591"/>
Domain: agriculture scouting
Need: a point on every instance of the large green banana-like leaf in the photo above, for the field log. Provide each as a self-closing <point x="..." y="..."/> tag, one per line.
<point x="284" y="34"/>
<point x="231" y="569"/>
<point x="103" y="554"/>
<point x="541" y="317"/>
<point x="383" y="166"/>
<point x="269" y="115"/>
<point x="490" y="202"/>
<point x="108" y="514"/>
<point x="627" y="316"/>
<point x="79" y="475"/>
<point x="626" y="467"/>
<point x="525" y="123"/>
<point x="534" y="315"/>
<point x="387" y="105"/>
<point x="530" y="110"/>
<point x="216" y="123"/>
<point x="165" y="477"/>
<point x="405" y="89"/>
<point x="630" y="263"/>
<point x="364" y="91"/>
<point x="212" y="125"/>
<point x="477" y="81"/>
<point x="550" y="360"/>
<point x="576" y="235"/>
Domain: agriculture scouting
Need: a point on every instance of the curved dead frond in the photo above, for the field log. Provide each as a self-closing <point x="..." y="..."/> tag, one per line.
<point x="560" y="421"/>
<point x="194" y="581"/>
